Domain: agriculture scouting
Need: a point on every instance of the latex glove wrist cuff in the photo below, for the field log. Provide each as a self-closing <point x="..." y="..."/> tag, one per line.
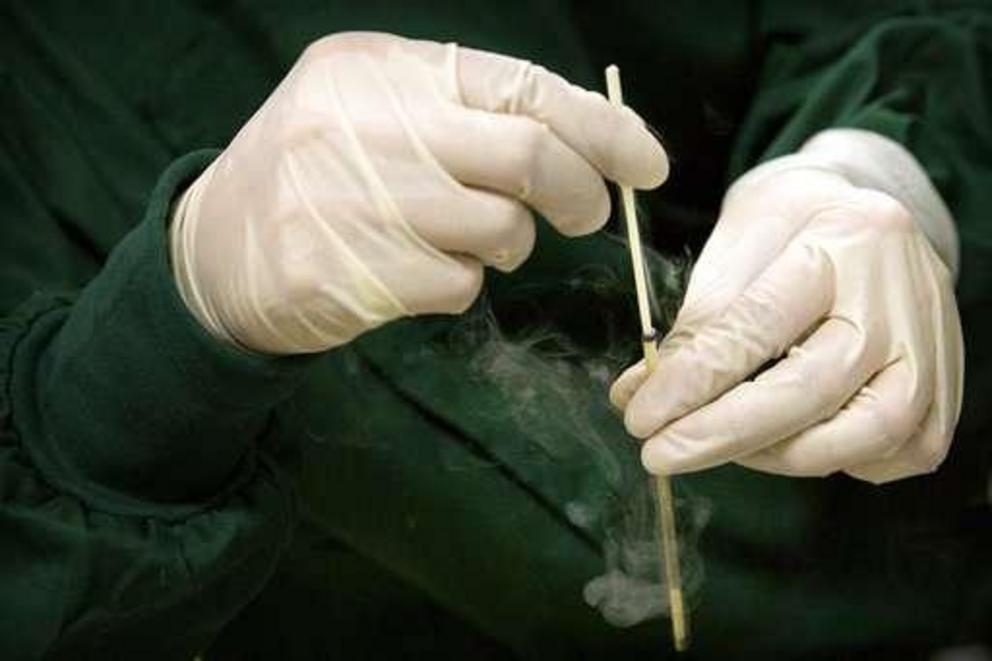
<point x="180" y="236"/>
<point x="872" y="161"/>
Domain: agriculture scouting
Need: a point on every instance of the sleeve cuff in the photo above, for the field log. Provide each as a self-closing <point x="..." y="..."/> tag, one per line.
<point x="124" y="390"/>
<point x="870" y="160"/>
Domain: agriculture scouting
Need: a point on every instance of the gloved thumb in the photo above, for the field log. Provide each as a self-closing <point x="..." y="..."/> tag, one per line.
<point x="627" y="384"/>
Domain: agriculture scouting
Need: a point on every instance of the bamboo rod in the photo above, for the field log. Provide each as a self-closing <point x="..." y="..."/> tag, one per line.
<point x="663" y="487"/>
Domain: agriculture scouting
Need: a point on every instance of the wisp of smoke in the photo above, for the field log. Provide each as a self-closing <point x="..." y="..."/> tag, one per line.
<point x="555" y="391"/>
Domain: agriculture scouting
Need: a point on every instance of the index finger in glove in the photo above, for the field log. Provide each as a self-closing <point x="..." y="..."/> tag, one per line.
<point x="627" y="384"/>
<point x="772" y="313"/>
<point x="808" y="386"/>
<point x="522" y="159"/>
<point x="614" y="140"/>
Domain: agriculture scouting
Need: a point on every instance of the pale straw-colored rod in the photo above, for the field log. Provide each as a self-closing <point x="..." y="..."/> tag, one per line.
<point x="663" y="487"/>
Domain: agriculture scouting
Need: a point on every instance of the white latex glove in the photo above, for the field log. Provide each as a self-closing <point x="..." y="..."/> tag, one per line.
<point x="820" y="261"/>
<point x="379" y="178"/>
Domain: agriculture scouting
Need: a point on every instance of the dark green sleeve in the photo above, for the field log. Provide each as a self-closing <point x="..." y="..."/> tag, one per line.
<point x="918" y="77"/>
<point x="137" y="510"/>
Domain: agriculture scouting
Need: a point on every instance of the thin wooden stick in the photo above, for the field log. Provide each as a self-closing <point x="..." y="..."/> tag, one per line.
<point x="663" y="487"/>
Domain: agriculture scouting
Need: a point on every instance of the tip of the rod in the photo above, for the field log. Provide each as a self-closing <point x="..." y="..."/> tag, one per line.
<point x="613" y="92"/>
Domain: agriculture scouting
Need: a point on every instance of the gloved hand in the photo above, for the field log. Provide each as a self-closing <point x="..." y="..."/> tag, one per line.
<point x="837" y="262"/>
<point x="377" y="180"/>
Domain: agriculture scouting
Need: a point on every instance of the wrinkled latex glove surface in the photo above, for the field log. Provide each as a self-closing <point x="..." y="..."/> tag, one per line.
<point x="381" y="176"/>
<point x="819" y="332"/>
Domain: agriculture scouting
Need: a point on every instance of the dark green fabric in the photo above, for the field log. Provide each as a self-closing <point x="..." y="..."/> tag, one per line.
<point x="145" y="470"/>
<point x="132" y="495"/>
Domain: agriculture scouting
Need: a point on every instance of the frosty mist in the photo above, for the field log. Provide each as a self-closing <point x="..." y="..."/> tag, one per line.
<point x="556" y="390"/>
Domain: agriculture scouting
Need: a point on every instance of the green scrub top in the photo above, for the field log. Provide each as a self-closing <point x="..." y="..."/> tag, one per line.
<point x="440" y="487"/>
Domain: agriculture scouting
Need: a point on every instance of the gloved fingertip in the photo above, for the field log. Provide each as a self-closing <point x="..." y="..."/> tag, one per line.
<point x="627" y="384"/>
<point x="614" y="396"/>
<point x="637" y="420"/>
<point x="657" y="167"/>
<point x="648" y="165"/>
<point x="658" y="461"/>
<point x="618" y="396"/>
<point x="592" y="221"/>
